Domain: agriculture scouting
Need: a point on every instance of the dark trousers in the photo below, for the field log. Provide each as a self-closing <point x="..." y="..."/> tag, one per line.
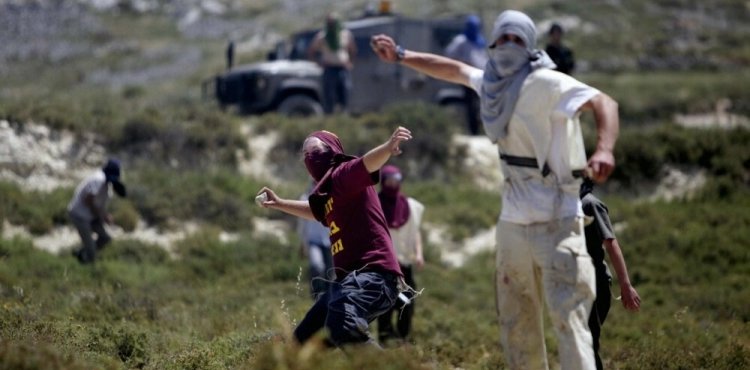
<point x="471" y="101"/>
<point x="89" y="246"/>
<point x="348" y="307"/>
<point x="600" y="310"/>
<point x="404" y="313"/>
<point x="336" y="86"/>
<point x="321" y="267"/>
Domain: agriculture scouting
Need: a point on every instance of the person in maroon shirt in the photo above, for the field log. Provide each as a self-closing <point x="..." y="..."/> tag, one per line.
<point x="368" y="277"/>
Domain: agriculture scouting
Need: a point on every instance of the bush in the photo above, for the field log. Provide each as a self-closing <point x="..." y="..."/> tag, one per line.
<point x="458" y="204"/>
<point x="276" y="355"/>
<point x="642" y="153"/>
<point x="145" y="127"/>
<point x="220" y="197"/>
<point x="36" y="356"/>
<point x="134" y="251"/>
<point x="133" y="91"/>
<point x="132" y="347"/>
<point x="124" y="214"/>
<point x="205" y="256"/>
<point x="38" y="211"/>
<point x="189" y="136"/>
<point x="649" y="97"/>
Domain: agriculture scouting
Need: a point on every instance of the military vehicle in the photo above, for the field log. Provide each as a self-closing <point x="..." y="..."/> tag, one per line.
<point x="290" y="84"/>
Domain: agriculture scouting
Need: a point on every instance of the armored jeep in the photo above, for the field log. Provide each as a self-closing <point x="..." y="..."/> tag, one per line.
<point x="290" y="84"/>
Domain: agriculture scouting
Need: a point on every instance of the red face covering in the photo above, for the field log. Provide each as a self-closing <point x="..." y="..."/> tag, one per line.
<point x="319" y="163"/>
<point x="395" y="205"/>
<point x="320" y="166"/>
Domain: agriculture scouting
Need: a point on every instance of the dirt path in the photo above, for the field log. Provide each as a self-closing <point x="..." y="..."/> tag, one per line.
<point x="260" y="145"/>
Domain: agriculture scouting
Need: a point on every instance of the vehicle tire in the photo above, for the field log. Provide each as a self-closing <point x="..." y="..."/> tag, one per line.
<point x="300" y="106"/>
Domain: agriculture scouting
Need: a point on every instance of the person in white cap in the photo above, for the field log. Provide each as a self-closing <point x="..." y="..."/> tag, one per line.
<point x="531" y="112"/>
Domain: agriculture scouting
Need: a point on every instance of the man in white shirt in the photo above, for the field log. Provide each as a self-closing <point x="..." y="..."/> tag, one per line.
<point x="88" y="209"/>
<point x="531" y="113"/>
<point x="337" y="51"/>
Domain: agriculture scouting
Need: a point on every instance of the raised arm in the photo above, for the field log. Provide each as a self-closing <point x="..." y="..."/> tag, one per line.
<point x="602" y="162"/>
<point x="376" y="158"/>
<point x="435" y="66"/>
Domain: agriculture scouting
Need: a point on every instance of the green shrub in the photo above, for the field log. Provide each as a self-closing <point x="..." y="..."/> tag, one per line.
<point x="277" y="355"/>
<point x="37" y="356"/>
<point x="188" y="135"/>
<point x="124" y="214"/>
<point x="205" y="256"/>
<point x="457" y="203"/>
<point x="642" y="153"/>
<point x="143" y="128"/>
<point x="38" y="211"/>
<point x="132" y="347"/>
<point x="133" y="91"/>
<point x="648" y="97"/>
<point x="221" y="197"/>
<point x="194" y="359"/>
<point x="134" y="251"/>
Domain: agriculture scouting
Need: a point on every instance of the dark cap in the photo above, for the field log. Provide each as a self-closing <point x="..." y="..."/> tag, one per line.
<point x="555" y="27"/>
<point x="112" y="173"/>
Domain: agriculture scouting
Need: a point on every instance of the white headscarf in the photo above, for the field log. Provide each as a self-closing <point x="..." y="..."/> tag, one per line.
<point x="507" y="69"/>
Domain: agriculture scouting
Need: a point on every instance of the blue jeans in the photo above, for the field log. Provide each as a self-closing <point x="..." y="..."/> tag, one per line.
<point x="336" y="86"/>
<point x="348" y="307"/>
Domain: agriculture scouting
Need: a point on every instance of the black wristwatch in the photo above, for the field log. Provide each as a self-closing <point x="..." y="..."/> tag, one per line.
<point x="400" y="52"/>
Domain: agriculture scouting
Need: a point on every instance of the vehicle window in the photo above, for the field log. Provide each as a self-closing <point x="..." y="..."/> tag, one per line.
<point x="300" y="44"/>
<point x="363" y="47"/>
<point x="444" y="35"/>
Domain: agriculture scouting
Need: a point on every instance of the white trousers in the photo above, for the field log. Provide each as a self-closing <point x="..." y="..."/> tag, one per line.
<point x="544" y="260"/>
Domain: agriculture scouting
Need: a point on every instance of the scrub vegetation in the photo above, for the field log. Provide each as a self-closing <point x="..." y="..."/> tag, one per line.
<point x="231" y="305"/>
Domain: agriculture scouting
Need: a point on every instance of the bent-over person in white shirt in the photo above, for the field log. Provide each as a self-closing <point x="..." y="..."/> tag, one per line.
<point x="88" y="209"/>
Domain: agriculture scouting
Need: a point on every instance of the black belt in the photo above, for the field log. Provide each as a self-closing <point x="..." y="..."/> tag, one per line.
<point x="531" y="162"/>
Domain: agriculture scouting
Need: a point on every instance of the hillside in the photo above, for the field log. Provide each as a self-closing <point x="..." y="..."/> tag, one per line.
<point x="199" y="277"/>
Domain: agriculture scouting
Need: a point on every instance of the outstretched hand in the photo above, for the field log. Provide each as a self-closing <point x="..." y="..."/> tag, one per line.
<point x="400" y="135"/>
<point x="384" y="47"/>
<point x="272" y="199"/>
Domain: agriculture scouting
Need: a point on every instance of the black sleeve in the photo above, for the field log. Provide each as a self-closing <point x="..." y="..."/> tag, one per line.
<point x="595" y="208"/>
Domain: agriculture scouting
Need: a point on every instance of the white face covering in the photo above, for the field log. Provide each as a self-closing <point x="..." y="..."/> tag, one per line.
<point x="505" y="72"/>
<point x="509" y="58"/>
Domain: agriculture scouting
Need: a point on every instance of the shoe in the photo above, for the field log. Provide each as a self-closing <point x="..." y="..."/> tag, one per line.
<point x="82" y="257"/>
